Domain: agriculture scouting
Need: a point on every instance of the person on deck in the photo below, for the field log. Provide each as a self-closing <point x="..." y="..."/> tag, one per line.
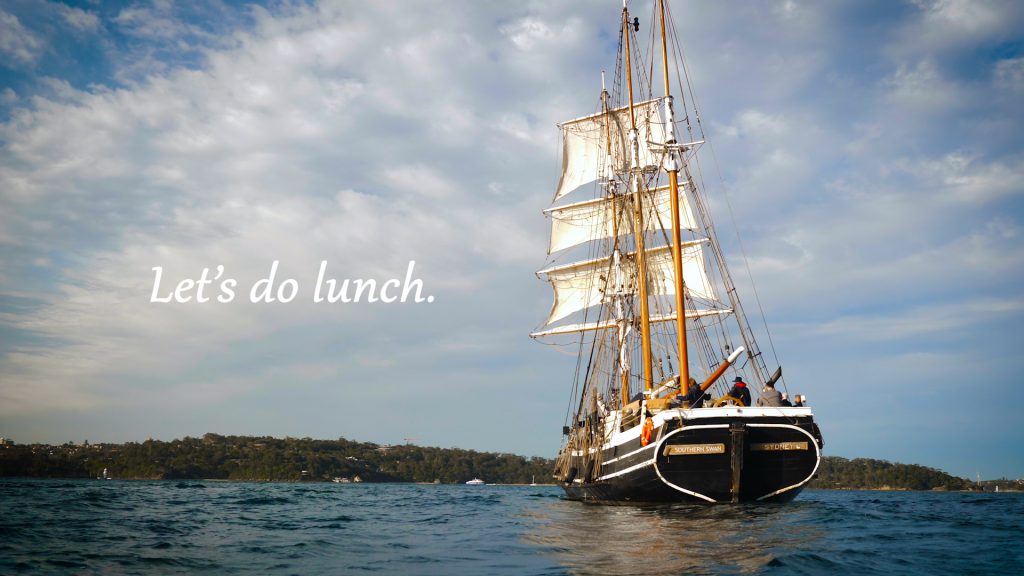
<point x="785" y="400"/>
<point x="769" y="396"/>
<point x="694" y="395"/>
<point x="739" y="390"/>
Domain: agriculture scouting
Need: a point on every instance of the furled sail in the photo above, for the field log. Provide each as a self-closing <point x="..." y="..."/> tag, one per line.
<point x="581" y="285"/>
<point x="585" y="144"/>
<point x="581" y="222"/>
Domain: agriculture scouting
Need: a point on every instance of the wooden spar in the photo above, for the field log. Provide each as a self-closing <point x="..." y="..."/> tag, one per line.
<point x="608" y="152"/>
<point x="664" y="48"/>
<point x="638" y="220"/>
<point x="721" y="369"/>
<point x="629" y="67"/>
<point x="673" y="185"/>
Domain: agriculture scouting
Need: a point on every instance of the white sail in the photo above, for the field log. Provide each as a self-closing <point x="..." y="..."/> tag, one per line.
<point x="662" y="278"/>
<point x="585" y="144"/>
<point x="580" y="285"/>
<point x="612" y="323"/>
<point x="581" y="222"/>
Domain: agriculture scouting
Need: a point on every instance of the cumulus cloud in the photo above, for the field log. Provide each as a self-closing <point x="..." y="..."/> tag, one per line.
<point x="18" y="45"/>
<point x="79" y="19"/>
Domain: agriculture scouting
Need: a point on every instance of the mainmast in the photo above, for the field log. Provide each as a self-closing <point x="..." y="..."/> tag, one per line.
<point x="672" y="167"/>
<point x="638" y="218"/>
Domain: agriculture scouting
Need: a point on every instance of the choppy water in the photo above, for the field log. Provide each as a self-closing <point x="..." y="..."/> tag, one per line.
<point x="114" y="527"/>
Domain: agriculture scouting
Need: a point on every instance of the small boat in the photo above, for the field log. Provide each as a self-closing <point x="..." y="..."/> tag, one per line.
<point x="476" y="482"/>
<point x="533" y="481"/>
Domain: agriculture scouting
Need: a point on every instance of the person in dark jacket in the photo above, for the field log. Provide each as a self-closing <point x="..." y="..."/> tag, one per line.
<point x="769" y="396"/>
<point x="694" y="395"/>
<point x="739" y="390"/>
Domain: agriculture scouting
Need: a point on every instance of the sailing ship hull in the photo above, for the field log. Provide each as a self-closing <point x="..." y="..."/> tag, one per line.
<point x="728" y="457"/>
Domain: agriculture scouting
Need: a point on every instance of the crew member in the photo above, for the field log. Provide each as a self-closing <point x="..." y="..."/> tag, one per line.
<point x="739" y="390"/>
<point x="694" y="395"/>
<point x="770" y="396"/>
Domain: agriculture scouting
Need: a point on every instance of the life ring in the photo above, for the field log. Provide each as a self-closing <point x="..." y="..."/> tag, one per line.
<point x="645" y="434"/>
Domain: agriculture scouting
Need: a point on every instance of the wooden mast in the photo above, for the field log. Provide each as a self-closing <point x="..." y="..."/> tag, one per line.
<point x="638" y="218"/>
<point x="672" y="167"/>
<point x="623" y="370"/>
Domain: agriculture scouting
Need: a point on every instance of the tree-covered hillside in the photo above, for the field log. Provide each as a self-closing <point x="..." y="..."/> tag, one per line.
<point x="264" y="458"/>
<point x="868" y="474"/>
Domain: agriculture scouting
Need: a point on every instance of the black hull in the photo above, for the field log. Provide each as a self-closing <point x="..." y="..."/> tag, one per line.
<point x="729" y="459"/>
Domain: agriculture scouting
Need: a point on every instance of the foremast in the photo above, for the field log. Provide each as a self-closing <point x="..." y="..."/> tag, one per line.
<point x="619" y="293"/>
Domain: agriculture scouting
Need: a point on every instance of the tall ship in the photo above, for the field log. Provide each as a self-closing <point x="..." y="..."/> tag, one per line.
<point x="672" y="398"/>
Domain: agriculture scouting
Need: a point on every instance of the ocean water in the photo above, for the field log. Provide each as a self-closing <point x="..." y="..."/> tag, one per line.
<point x="167" y="527"/>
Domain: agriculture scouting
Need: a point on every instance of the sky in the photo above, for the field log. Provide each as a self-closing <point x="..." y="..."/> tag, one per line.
<point x="872" y="153"/>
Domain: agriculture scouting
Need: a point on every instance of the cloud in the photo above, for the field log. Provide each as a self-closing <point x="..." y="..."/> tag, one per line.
<point x="929" y="321"/>
<point x="962" y="15"/>
<point x="81" y="20"/>
<point x="17" y="44"/>
<point x="963" y="179"/>
<point x="946" y="26"/>
<point x="1009" y="75"/>
<point x="254" y="158"/>
<point x="921" y="86"/>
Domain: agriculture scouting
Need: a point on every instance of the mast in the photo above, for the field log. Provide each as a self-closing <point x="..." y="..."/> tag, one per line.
<point x="620" y="316"/>
<point x="672" y="167"/>
<point x="638" y="218"/>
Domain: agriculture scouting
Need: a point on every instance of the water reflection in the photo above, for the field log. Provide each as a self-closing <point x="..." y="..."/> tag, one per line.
<point x="680" y="539"/>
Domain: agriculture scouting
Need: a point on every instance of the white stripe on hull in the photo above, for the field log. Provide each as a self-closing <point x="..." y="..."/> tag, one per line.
<point x="675" y="486"/>
<point x="630" y="469"/>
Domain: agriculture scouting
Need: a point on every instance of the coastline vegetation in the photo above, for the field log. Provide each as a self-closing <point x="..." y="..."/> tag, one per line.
<point x="264" y="458"/>
<point x="868" y="474"/>
<point x="214" y="456"/>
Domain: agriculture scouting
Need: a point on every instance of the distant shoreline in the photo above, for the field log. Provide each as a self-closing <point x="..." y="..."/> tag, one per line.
<point x="218" y="458"/>
<point x="538" y="485"/>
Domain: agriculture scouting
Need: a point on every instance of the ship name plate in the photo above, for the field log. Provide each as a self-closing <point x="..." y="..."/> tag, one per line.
<point x="692" y="449"/>
<point x="776" y="446"/>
